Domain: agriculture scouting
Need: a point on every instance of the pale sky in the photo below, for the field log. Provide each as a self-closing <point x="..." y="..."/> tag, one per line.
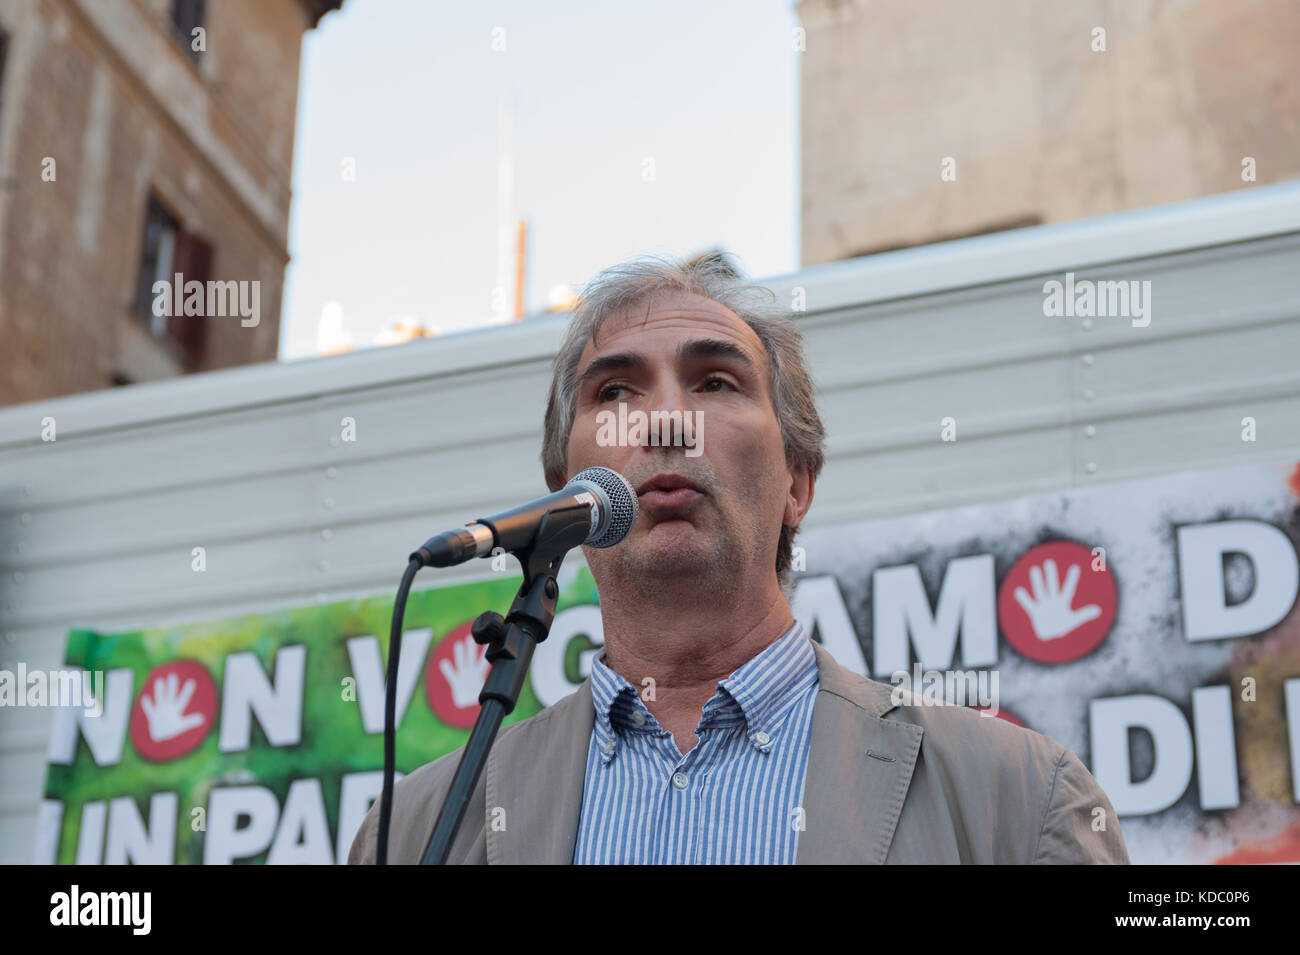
<point x="705" y="93"/>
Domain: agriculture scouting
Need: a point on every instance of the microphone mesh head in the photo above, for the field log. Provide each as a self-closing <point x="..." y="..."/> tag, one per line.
<point x="621" y="512"/>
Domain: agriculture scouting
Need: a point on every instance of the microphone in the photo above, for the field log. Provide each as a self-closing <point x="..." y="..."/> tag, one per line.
<point x="610" y="501"/>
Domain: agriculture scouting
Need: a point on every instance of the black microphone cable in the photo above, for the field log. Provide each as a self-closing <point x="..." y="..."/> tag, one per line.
<point x="390" y="708"/>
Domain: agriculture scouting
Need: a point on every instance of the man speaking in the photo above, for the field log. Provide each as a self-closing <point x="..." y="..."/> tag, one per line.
<point x="713" y="729"/>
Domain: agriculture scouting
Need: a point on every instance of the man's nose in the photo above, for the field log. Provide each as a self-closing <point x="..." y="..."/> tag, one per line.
<point x="668" y="411"/>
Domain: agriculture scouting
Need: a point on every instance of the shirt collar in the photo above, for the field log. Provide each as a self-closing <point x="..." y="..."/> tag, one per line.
<point x="759" y="694"/>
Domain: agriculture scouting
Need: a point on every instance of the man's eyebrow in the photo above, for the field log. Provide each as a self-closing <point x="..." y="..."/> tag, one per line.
<point x="714" y="348"/>
<point x="687" y="351"/>
<point x="623" y="361"/>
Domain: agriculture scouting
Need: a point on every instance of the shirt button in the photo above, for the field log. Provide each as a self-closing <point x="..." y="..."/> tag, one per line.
<point x="638" y="718"/>
<point x="609" y="747"/>
<point x="680" y="781"/>
<point x="762" y="739"/>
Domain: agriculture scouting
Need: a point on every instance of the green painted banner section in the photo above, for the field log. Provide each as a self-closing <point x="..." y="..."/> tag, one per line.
<point x="334" y="742"/>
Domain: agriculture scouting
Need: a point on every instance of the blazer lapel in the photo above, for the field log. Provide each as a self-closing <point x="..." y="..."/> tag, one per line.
<point x="859" y="769"/>
<point x="536" y="774"/>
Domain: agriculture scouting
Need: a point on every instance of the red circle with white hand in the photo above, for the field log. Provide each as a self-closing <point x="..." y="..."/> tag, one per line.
<point x="454" y="676"/>
<point x="1053" y="606"/>
<point x="175" y="710"/>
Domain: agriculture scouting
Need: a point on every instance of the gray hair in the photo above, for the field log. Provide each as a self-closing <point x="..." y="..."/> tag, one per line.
<point x="711" y="275"/>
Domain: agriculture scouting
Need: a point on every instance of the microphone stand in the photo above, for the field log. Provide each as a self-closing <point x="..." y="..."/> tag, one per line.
<point x="510" y="642"/>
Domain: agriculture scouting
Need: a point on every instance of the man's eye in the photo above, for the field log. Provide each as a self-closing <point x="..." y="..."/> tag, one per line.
<point x="602" y="394"/>
<point x="718" y="378"/>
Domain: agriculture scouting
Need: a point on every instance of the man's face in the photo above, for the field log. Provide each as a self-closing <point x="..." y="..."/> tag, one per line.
<point x="688" y="354"/>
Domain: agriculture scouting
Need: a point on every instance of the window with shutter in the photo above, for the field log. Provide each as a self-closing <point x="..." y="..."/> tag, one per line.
<point x="187" y="16"/>
<point x="4" y="51"/>
<point x="157" y="256"/>
<point x="168" y="251"/>
<point x="189" y="332"/>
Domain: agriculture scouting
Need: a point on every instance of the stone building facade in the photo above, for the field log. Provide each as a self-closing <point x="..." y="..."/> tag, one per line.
<point x="140" y="139"/>
<point x="928" y="121"/>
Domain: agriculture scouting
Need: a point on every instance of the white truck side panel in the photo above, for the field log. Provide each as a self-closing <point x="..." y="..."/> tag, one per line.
<point x="97" y="527"/>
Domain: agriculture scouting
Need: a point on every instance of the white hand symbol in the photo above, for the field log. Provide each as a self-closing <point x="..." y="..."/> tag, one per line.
<point x="165" y="713"/>
<point x="469" y="672"/>
<point x="1049" y="609"/>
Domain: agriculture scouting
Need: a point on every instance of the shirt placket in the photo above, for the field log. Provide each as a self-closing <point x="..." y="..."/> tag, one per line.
<point x="679" y="836"/>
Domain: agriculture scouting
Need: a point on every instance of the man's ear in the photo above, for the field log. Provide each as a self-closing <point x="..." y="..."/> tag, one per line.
<point x="800" y="497"/>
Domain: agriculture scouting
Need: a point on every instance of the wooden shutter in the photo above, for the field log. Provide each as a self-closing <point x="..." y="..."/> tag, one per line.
<point x="193" y="260"/>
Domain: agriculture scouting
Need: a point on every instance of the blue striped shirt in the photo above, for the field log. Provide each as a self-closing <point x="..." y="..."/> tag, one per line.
<point x="733" y="799"/>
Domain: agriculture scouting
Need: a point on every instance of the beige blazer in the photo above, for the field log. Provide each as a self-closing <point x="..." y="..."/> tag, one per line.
<point x="885" y="783"/>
